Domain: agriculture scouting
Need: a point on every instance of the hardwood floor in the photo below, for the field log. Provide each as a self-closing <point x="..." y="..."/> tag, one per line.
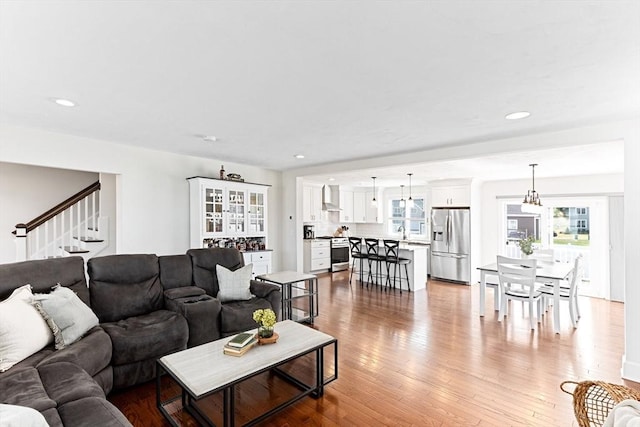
<point x="427" y="359"/>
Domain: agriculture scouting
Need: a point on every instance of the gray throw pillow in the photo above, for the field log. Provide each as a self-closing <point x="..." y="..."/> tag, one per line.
<point x="234" y="285"/>
<point x="72" y="317"/>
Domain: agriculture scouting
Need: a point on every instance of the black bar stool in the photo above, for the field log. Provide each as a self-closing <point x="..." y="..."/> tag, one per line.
<point x="355" y="244"/>
<point x="391" y="250"/>
<point x="373" y="257"/>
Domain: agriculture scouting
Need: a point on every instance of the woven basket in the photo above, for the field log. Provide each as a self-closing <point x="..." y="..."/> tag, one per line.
<point x="593" y="400"/>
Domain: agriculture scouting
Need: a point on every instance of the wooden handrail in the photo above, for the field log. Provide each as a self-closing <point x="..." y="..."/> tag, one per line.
<point x="41" y="219"/>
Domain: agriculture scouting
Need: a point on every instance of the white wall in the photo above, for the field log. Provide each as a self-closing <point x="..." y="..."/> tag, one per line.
<point x="152" y="191"/>
<point x="631" y="358"/>
<point x="28" y="191"/>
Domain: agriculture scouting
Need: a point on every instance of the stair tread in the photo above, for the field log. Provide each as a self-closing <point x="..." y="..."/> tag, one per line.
<point x="88" y="239"/>
<point x="75" y="250"/>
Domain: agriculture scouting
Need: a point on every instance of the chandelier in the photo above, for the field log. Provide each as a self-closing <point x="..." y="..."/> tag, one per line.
<point x="531" y="202"/>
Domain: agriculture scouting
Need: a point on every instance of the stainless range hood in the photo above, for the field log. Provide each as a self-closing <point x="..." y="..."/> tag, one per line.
<point x="328" y="203"/>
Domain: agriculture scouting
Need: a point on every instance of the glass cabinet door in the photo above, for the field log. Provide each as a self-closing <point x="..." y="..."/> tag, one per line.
<point x="256" y="212"/>
<point x="213" y="218"/>
<point x="237" y="208"/>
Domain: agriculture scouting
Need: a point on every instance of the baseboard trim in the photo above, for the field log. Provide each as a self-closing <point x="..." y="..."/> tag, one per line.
<point x="630" y="370"/>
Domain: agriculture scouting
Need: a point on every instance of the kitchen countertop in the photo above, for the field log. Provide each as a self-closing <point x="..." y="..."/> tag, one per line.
<point x="415" y="242"/>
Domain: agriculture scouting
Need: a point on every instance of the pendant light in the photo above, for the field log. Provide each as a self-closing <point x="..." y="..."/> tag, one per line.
<point x="374" y="202"/>
<point x="531" y="202"/>
<point x="402" y="201"/>
<point x="410" y="201"/>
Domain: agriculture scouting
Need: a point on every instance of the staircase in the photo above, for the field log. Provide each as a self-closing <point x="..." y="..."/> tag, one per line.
<point x="73" y="227"/>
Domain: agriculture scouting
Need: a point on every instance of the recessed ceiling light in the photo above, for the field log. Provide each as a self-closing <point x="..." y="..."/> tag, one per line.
<point x="209" y="138"/>
<point x="64" y="102"/>
<point x="517" y="115"/>
<point x="332" y="179"/>
<point x="299" y="156"/>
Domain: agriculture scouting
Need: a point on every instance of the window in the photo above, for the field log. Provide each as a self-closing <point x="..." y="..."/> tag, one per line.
<point x="571" y="226"/>
<point x="521" y="225"/>
<point x="413" y="220"/>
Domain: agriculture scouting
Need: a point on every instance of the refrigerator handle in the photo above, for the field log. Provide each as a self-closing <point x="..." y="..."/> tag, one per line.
<point x="448" y="229"/>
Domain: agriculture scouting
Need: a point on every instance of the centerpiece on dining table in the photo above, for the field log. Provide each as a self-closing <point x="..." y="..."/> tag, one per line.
<point x="266" y="320"/>
<point x="526" y="246"/>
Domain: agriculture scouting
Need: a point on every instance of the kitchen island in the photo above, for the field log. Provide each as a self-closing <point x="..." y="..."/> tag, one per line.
<point x="417" y="269"/>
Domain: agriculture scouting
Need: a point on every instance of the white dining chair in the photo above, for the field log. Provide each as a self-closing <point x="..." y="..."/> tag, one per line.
<point x="567" y="292"/>
<point x="543" y="255"/>
<point x="517" y="279"/>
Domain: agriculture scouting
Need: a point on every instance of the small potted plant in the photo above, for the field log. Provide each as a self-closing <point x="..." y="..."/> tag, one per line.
<point x="526" y="246"/>
<point x="266" y="319"/>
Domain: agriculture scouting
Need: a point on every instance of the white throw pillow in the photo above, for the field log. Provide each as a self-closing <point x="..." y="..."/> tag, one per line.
<point x="72" y="317"/>
<point x="20" y="416"/>
<point x="22" y="330"/>
<point x="234" y="285"/>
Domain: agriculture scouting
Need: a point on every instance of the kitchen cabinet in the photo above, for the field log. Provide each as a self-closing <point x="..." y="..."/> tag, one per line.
<point x="221" y="208"/>
<point x="311" y="203"/>
<point x="451" y="196"/>
<point x="316" y="255"/>
<point x="373" y="211"/>
<point x="346" y="206"/>
<point x="359" y="207"/>
<point x="261" y="261"/>
<point x="364" y="210"/>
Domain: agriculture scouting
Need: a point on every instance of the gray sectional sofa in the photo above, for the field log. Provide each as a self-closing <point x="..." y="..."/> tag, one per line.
<point x="148" y="306"/>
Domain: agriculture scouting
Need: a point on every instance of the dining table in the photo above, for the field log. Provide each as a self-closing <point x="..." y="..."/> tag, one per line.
<point x="546" y="272"/>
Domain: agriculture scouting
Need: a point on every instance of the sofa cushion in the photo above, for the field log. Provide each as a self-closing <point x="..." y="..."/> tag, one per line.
<point x="175" y="271"/>
<point x="148" y="336"/>
<point x="23" y="387"/>
<point x="92" y="353"/>
<point x="122" y="286"/>
<point x="72" y="317"/>
<point x="64" y="382"/>
<point x="204" y="263"/>
<point x="92" y="411"/>
<point x="238" y="315"/>
<point x="23" y="331"/>
<point x="43" y="274"/>
<point x="234" y="285"/>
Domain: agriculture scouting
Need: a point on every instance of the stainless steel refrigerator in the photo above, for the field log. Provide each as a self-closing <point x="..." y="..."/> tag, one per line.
<point x="450" y="244"/>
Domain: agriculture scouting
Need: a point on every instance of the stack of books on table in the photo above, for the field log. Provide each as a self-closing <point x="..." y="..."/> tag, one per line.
<point x="240" y="344"/>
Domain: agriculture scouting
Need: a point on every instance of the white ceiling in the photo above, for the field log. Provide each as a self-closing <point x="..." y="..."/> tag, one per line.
<point x="592" y="159"/>
<point x="330" y="80"/>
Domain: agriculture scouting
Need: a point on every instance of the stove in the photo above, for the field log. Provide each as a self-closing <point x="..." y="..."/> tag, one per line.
<point x="339" y="253"/>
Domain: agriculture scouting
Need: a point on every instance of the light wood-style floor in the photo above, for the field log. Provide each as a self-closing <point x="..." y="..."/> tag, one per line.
<point x="427" y="359"/>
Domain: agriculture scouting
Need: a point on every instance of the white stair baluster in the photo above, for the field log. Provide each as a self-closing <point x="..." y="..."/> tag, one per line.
<point x="70" y="226"/>
<point x="46" y="240"/>
<point x="85" y="230"/>
<point x="93" y="213"/>
<point x="77" y="232"/>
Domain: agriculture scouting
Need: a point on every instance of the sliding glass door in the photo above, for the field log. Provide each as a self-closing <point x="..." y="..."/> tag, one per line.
<point x="570" y="226"/>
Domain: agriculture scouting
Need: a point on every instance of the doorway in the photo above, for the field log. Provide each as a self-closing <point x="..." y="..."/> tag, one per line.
<point x="570" y="226"/>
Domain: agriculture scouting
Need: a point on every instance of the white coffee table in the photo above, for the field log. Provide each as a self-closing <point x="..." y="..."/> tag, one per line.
<point x="203" y="370"/>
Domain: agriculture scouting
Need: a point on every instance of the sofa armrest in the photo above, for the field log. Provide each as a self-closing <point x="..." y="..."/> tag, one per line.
<point x="202" y="312"/>
<point x="183" y="292"/>
<point x="270" y="292"/>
